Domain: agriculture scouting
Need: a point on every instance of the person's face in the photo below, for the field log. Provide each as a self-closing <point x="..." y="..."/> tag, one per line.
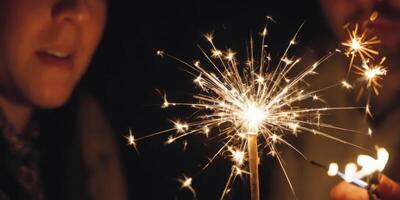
<point x="46" y="46"/>
<point x="386" y="26"/>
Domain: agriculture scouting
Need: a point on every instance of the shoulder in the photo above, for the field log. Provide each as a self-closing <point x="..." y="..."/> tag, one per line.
<point x="99" y="150"/>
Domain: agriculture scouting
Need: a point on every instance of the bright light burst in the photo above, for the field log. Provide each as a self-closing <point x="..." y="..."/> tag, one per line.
<point x="360" y="44"/>
<point x="258" y="99"/>
<point x="372" y="74"/>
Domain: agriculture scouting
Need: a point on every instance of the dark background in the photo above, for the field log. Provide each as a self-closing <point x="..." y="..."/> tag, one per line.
<point x="126" y="72"/>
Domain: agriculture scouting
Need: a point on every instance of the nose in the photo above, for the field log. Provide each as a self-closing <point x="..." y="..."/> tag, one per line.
<point x="73" y="11"/>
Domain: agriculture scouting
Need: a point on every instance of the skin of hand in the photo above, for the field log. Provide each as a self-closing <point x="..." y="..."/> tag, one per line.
<point x="387" y="190"/>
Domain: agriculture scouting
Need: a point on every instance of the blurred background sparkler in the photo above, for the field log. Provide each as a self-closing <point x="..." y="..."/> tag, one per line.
<point x="361" y="44"/>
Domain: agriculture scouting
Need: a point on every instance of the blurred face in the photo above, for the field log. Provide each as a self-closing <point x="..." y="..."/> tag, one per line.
<point x="386" y="26"/>
<point x="46" y="46"/>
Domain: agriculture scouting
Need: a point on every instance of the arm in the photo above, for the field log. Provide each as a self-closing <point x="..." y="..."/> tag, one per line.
<point x="100" y="153"/>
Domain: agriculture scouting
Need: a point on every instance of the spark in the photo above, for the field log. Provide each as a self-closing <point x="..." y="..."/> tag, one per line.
<point x="238" y="171"/>
<point x="206" y="130"/>
<point x="131" y="140"/>
<point x="287" y="61"/>
<point x="368" y="110"/>
<point x="230" y="55"/>
<point x="255" y="101"/>
<point x="260" y="79"/>
<point x="346" y="85"/>
<point x="185" y="144"/>
<point x="181" y="127"/>
<point x="160" y="53"/>
<point x="374" y="16"/>
<point x="170" y="140"/>
<point x="294" y="127"/>
<point x="269" y="18"/>
<point x="165" y="103"/>
<point x="369" y="131"/>
<point x="274" y="138"/>
<point x="360" y="44"/>
<point x="372" y="74"/>
<point x="215" y="53"/>
<point x="264" y="32"/>
<point x="209" y="37"/>
<point x="186" y="182"/>
<point x="237" y="156"/>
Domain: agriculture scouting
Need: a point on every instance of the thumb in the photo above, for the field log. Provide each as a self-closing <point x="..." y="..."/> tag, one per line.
<point x="388" y="189"/>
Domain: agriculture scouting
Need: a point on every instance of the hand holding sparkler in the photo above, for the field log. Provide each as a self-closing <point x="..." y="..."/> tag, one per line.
<point x="366" y="183"/>
<point x="387" y="189"/>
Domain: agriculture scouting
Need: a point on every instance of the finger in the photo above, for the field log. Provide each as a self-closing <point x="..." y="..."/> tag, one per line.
<point x="346" y="191"/>
<point x="388" y="189"/>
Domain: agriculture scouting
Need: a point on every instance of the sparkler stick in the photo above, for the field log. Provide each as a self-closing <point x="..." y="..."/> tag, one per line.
<point x="253" y="165"/>
<point x="335" y="172"/>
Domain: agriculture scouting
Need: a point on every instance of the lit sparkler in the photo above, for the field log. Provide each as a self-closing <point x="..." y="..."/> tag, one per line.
<point x="363" y="174"/>
<point x="360" y="44"/>
<point x="368" y="166"/>
<point x="253" y="105"/>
